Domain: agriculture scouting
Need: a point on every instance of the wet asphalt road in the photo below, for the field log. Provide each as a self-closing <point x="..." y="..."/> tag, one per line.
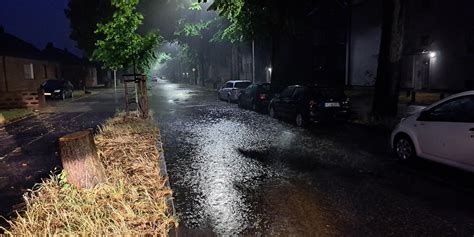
<point x="237" y="172"/>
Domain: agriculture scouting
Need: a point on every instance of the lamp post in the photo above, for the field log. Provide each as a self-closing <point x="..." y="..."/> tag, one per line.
<point x="194" y="74"/>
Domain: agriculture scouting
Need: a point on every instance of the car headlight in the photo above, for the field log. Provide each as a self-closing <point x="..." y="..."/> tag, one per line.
<point x="57" y="91"/>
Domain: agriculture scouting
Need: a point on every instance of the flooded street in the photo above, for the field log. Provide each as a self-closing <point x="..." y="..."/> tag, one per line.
<point x="238" y="172"/>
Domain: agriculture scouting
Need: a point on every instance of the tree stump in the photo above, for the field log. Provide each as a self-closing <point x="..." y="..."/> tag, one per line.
<point x="80" y="159"/>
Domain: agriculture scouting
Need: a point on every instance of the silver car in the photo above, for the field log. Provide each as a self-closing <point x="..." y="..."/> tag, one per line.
<point x="231" y="90"/>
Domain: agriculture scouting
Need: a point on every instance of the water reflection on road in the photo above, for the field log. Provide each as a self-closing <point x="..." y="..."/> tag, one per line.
<point x="237" y="172"/>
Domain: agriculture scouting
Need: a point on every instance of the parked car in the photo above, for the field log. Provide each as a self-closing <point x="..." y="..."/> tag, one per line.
<point x="58" y="89"/>
<point x="255" y="97"/>
<point x="442" y="132"/>
<point x="231" y="90"/>
<point x="306" y="104"/>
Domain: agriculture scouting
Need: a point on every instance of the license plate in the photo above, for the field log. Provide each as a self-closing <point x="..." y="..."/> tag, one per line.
<point x="47" y="93"/>
<point x="332" y="104"/>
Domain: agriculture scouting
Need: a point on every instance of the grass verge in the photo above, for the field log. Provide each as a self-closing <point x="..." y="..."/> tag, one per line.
<point x="14" y="114"/>
<point x="133" y="200"/>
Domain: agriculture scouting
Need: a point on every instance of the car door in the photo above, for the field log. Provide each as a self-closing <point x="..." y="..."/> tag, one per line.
<point x="447" y="130"/>
<point x="248" y="95"/>
<point x="282" y="107"/>
<point x="295" y="101"/>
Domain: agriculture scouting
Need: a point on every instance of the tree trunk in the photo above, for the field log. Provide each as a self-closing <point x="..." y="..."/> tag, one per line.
<point x="387" y="84"/>
<point x="80" y="159"/>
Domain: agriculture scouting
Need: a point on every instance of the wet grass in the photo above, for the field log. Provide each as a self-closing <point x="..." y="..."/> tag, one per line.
<point x="14" y="114"/>
<point x="134" y="200"/>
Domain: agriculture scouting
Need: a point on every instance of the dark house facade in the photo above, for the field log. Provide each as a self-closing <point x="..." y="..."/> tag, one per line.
<point x="22" y="65"/>
<point x="77" y="70"/>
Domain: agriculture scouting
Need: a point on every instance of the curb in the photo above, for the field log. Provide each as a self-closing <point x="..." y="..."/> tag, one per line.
<point x="164" y="173"/>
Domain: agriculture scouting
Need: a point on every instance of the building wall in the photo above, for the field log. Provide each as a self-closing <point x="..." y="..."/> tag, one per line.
<point x="446" y="29"/>
<point x="366" y="20"/>
<point x="91" y="77"/>
<point x="15" y="74"/>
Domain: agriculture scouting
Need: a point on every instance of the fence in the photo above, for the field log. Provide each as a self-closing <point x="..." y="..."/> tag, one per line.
<point x="21" y="99"/>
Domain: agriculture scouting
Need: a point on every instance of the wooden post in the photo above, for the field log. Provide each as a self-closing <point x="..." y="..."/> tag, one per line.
<point x="80" y="159"/>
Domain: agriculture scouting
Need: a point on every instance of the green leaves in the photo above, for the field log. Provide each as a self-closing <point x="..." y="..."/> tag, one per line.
<point x="122" y="44"/>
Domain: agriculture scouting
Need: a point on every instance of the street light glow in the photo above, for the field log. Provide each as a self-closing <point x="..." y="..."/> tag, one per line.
<point x="432" y="54"/>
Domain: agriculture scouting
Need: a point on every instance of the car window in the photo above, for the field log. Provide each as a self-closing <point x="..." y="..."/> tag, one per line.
<point x="242" y="85"/>
<point x="299" y="94"/>
<point x="250" y="89"/>
<point x="287" y="92"/>
<point x="229" y="85"/>
<point x="456" y="110"/>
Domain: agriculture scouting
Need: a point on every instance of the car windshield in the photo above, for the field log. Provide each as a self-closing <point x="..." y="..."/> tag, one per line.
<point x="242" y="85"/>
<point x="265" y="87"/>
<point x="53" y="84"/>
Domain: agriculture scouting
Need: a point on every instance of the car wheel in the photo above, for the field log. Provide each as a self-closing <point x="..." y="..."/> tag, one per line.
<point x="404" y="148"/>
<point x="271" y="112"/>
<point x="300" y="120"/>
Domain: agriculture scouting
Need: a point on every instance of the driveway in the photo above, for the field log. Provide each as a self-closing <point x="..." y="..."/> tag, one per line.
<point x="237" y="172"/>
<point x="29" y="150"/>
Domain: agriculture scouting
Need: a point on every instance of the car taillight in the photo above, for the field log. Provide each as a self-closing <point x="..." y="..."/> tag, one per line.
<point x="263" y="96"/>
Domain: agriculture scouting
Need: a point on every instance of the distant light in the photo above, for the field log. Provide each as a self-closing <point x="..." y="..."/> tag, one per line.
<point x="432" y="54"/>
<point x="269" y="69"/>
<point x="194" y="69"/>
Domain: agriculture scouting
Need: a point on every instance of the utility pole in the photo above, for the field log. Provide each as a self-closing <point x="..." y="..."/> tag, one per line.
<point x="115" y="81"/>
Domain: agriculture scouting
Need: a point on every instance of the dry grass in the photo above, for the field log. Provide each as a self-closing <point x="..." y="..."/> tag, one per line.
<point x="133" y="200"/>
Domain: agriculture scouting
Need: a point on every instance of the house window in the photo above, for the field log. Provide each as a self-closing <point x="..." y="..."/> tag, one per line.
<point x="29" y="73"/>
<point x="45" y="70"/>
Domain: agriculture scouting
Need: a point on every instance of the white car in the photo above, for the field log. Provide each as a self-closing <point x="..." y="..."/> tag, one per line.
<point x="231" y="90"/>
<point x="442" y="132"/>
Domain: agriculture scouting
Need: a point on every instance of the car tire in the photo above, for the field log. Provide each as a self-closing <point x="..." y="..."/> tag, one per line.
<point x="271" y="112"/>
<point x="404" y="148"/>
<point x="300" y="120"/>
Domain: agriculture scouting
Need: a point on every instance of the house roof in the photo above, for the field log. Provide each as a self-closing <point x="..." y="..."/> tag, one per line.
<point x="11" y="45"/>
<point x="61" y="55"/>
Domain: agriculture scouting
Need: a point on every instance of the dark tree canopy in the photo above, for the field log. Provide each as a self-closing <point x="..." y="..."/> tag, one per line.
<point x="84" y="15"/>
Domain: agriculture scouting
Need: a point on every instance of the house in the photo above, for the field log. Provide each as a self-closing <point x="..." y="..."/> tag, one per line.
<point x="22" y="70"/>
<point x="22" y="65"/>
<point x="80" y="72"/>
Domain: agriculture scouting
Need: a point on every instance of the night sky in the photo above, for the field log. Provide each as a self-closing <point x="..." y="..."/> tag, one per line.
<point x="38" y="22"/>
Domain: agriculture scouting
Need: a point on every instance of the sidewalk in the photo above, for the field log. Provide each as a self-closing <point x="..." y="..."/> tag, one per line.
<point x="29" y="146"/>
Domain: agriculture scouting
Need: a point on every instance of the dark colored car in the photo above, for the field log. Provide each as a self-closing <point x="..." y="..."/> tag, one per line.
<point x="58" y="89"/>
<point x="304" y="104"/>
<point x="255" y="97"/>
